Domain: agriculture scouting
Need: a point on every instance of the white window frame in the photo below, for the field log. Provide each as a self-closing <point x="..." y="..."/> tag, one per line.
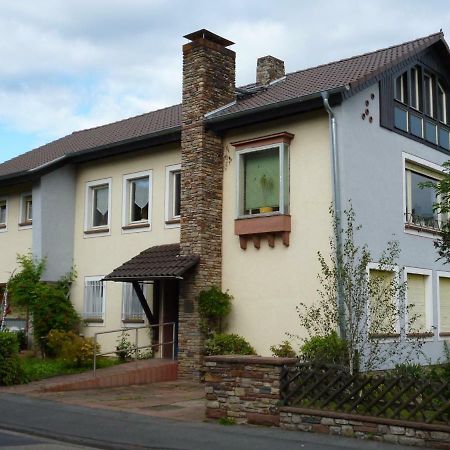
<point x="88" y="212"/>
<point x="127" y="290"/>
<point x="441" y="274"/>
<point x="429" y="325"/>
<point x="396" y="272"/>
<point x="429" y="166"/>
<point x="24" y="223"/>
<point x="143" y="225"/>
<point x="171" y="220"/>
<point x="283" y="152"/>
<point x="4" y="226"/>
<point x="89" y="323"/>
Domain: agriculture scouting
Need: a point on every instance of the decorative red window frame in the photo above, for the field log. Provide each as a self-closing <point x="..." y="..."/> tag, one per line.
<point x="264" y="226"/>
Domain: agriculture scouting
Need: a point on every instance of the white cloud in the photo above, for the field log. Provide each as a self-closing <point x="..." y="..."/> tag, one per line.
<point x="70" y="65"/>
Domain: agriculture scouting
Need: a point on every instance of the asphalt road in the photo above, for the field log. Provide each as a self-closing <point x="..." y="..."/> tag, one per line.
<point x="120" y="430"/>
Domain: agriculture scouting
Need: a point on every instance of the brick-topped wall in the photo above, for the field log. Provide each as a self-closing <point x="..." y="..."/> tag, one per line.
<point x="208" y="83"/>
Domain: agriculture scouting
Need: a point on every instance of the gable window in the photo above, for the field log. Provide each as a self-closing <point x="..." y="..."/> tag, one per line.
<point x="173" y="194"/>
<point x="26" y="210"/>
<point x="420" y="106"/>
<point x="94" y="299"/>
<point x="3" y="214"/>
<point x="132" y="311"/>
<point x="98" y="206"/>
<point x="420" y="201"/>
<point x="136" y="201"/>
<point x="419" y="301"/>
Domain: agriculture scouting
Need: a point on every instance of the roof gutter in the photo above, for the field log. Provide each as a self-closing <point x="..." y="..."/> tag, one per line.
<point x="337" y="211"/>
<point x="269" y="107"/>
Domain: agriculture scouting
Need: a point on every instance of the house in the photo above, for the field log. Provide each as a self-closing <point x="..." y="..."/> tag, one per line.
<point x="232" y="188"/>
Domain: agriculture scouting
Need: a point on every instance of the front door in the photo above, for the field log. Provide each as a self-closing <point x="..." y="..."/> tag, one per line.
<point x="168" y="314"/>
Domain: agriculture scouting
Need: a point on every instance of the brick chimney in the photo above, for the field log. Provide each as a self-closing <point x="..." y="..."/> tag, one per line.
<point x="268" y="69"/>
<point x="208" y="83"/>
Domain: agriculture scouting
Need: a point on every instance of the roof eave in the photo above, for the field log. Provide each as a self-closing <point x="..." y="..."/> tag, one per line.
<point x="161" y="137"/>
<point x="274" y="110"/>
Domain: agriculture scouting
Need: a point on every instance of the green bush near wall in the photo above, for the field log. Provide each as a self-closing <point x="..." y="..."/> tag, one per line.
<point x="11" y="371"/>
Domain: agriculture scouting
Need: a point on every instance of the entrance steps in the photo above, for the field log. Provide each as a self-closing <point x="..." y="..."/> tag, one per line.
<point x="137" y="372"/>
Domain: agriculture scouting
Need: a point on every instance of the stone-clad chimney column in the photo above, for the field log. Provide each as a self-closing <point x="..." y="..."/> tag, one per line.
<point x="208" y="83"/>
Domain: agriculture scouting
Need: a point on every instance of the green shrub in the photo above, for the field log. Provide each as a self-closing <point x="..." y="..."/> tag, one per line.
<point x="330" y="349"/>
<point x="409" y="370"/>
<point x="228" y="344"/>
<point x="284" y="350"/>
<point x="214" y="305"/>
<point x="11" y="371"/>
<point x="74" y="350"/>
<point x="124" y="348"/>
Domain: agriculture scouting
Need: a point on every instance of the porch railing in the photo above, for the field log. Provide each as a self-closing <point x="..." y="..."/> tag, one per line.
<point x="136" y="347"/>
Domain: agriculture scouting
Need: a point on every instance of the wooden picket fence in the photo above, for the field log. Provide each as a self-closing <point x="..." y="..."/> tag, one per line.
<point x="332" y="387"/>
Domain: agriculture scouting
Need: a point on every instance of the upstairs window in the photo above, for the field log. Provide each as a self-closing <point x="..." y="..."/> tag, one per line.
<point x="419" y="200"/>
<point x="137" y="192"/>
<point x="420" y="106"/>
<point x="173" y="194"/>
<point x="3" y="214"/>
<point x="98" y="206"/>
<point x="26" y="210"/>
<point x="263" y="185"/>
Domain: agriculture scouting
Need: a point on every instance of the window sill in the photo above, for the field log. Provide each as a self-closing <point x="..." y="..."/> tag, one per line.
<point x="384" y="335"/>
<point x="26" y="224"/>
<point x="133" y="320"/>
<point x="268" y="226"/>
<point x="2" y="226"/>
<point x="421" y="335"/>
<point x="100" y="230"/>
<point x="173" y="221"/>
<point x="422" y="229"/>
<point x="136" y="226"/>
<point x="444" y="334"/>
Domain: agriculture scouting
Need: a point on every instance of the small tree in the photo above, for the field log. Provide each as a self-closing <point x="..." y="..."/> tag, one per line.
<point x="370" y="307"/>
<point x="49" y="304"/>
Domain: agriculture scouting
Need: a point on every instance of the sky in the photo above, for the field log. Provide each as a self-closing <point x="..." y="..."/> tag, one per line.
<point x="68" y="65"/>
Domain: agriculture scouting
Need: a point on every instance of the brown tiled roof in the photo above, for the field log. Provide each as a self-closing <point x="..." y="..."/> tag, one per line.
<point x="93" y="138"/>
<point x="297" y="85"/>
<point x="338" y="74"/>
<point x="162" y="261"/>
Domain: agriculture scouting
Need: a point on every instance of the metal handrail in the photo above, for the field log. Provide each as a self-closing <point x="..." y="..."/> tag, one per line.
<point x="136" y="347"/>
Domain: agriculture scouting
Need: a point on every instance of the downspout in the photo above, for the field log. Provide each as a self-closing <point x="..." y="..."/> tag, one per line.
<point x="337" y="211"/>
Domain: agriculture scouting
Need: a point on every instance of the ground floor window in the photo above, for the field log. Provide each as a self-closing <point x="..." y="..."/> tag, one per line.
<point x="444" y="304"/>
<point x="419" y="300"/>
<point x="94" y="299"/>
<point x="131" y="306"/>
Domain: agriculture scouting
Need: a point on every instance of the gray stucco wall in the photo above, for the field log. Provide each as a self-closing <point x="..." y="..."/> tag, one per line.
<point x="53" y="221"/>
<point x="371" y="166"/>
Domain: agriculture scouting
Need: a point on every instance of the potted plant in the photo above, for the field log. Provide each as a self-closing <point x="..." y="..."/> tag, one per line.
<point x="267" y="186"/>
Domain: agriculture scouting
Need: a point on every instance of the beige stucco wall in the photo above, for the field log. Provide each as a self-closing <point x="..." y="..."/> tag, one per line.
<point x="15" y="240"/>
<point x="99" y="255"/>
<point x="267" y="284"/>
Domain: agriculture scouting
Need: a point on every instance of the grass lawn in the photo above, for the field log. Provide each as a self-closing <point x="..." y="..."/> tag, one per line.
<point x="38" y="368"/>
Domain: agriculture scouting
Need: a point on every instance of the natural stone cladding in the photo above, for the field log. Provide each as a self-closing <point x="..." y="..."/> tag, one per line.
<point x="268" y="69"/>
<point x="247" y="390"/>
<point x="208" y="83"/>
